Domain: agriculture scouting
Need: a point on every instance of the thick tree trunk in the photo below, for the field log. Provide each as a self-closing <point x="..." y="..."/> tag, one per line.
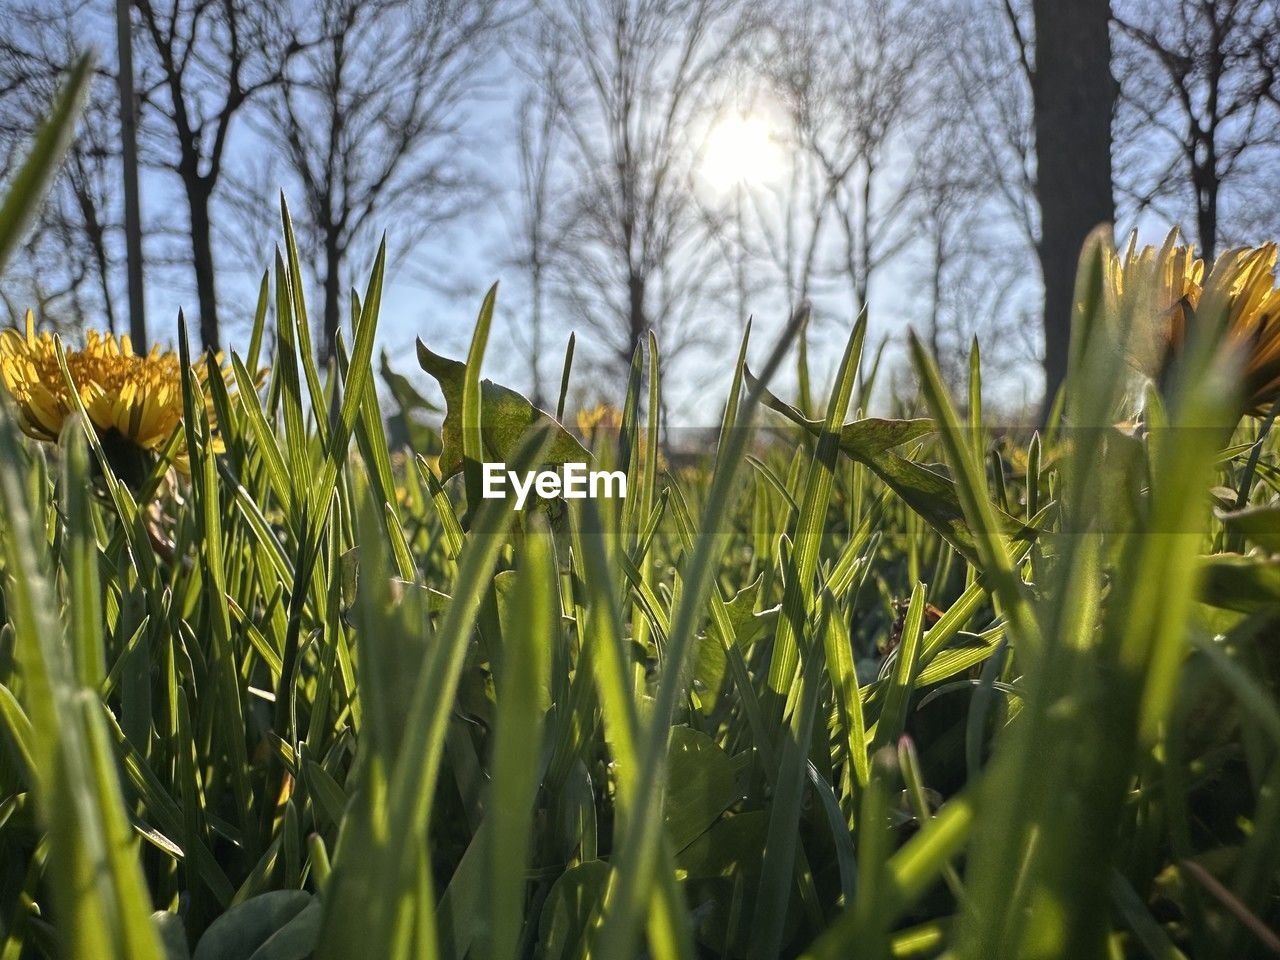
<point x="1205" y="179"/>
<point x="1074" y="96"/>
<point x="202" y="261"/>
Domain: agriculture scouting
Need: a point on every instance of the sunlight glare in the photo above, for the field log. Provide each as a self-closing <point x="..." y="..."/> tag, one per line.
<point x="741" y="149"/>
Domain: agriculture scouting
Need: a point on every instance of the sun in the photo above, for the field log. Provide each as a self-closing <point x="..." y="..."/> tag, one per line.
<point x="741" y="149"/>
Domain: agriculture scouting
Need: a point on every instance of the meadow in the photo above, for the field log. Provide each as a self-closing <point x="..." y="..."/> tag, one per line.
<point x="274" y="687"/>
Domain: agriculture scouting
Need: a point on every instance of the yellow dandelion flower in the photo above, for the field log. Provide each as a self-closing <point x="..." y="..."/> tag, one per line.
<point x="1159" y="293"/>
<point x="602" y="417"/>
<point x="128" y="397"/>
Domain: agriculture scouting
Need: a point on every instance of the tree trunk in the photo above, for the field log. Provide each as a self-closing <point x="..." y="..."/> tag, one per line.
<point x="1205" y="179"/>
<point x="129" y="176"/>
<point x="332" y="294"/>
<point x="1074" y="96"/>
<point x="101" y="262"/>
<point x="202" y="261"/>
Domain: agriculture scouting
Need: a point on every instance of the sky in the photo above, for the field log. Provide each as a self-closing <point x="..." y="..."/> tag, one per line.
<point x="434" y="287"/>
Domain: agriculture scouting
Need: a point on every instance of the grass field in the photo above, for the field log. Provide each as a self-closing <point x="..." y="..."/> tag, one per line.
<point x="849" y="688"/>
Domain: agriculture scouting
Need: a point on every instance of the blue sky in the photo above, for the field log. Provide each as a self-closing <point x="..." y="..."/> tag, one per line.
<point x="434" y="288"/>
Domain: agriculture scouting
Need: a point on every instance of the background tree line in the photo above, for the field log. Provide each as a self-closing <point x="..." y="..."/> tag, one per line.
<point x="938" y="161"/>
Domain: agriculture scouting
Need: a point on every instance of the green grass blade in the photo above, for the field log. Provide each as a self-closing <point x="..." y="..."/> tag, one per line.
<point x="472" y="439"/>
<point x="28" y="186"/>
<point x="80" y="560"/>
<point x="979" y="511"/>
<point x="564" y="377"/>
<point x="95" y="873"/>
<point x="639" y="848"/>
<point x="897" y="698"/>
<point x="784" y="814"/>
<point x="809" y="531"/>
<point x="527" y="660"/>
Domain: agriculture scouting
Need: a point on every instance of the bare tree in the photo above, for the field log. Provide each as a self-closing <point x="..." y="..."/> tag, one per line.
<point x="1051" y="156"/>
<point x="851" y="74"/>
<point x="728" y="225"/>
<point x="1200" y="112"/>
<point x="992" y="81"/>
<point x="948" y="196"/>
<point x="371" y="120"/>
<point x="200" y="63"/>
<point x="889" y="47"/>
<point x="731" y="206"/>
<point x="533" y="229"/>
<point x="972" y="270"/>
<point x="793" y="214"/>
<point x="789" y="219"/>
<point x="69" y="264"/>
<point x="635" y="76"/>
<point x="127" y="107"/>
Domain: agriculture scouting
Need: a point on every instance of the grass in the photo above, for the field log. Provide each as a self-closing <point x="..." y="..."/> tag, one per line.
<point x="817" y="697"/>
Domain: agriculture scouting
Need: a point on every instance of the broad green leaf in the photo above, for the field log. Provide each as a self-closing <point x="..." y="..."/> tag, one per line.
<point x="703" y="785"/>
<point x="871" y="441"/>
<point x="710" y="663"/>
<point x="246" y="927"/>
<point x="405" y="426"/>
<point x="1260" y="526"/>
<point x="722" y="870"/>
<point x="296" y="940"/>
<point x="864" y="437"/>
<point x="462" y="914"/>
<point x="1244" y="583"/>
<point x="404" y="392"/>
<point x="570" y="909"/>
<point x="505" y="417"/>
<point x="173" y="935"/>
<point x="733" y="845"/>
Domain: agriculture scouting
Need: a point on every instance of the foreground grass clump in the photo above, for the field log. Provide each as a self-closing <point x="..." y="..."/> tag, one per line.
<point x="819" y="696"/>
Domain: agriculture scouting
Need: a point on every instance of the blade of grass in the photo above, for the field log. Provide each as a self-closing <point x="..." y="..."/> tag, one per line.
<point x="95" y="874"/>
<point x="27" y="187"/>
<point x="809" y="531"/>
<point x="518" y="734"/>
<point x="638" y="855"/>
<point x="784" y="814"/>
